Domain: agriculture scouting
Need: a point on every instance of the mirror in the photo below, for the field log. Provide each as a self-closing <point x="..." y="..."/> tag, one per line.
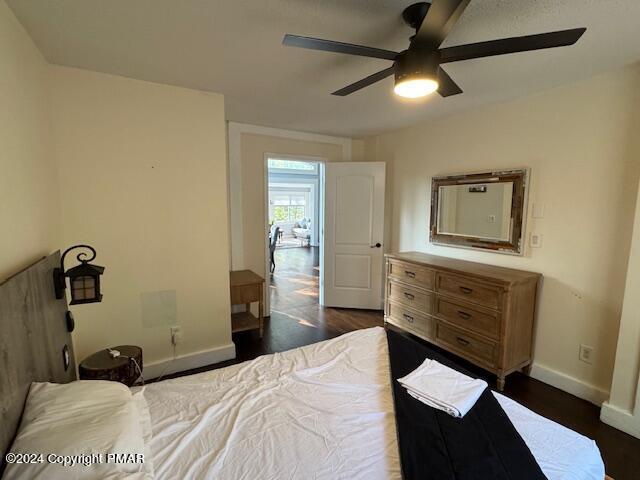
<point x="479" y="210"/>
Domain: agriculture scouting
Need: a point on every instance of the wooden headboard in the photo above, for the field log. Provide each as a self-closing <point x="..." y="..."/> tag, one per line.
<point x="33" y="334"/>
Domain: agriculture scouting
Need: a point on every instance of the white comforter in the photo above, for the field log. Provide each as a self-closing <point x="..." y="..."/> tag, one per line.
<point x="321" y="411"/>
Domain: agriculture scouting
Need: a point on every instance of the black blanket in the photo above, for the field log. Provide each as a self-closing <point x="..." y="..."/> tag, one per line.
<point x="433" y="445"/>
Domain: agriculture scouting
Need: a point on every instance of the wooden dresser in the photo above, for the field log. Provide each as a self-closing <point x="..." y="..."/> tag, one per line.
<point x="479" y="312"/>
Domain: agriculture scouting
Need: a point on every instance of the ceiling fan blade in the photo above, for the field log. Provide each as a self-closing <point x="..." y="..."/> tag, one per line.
<point x="503" y="46"/>
<point x="337" y="47"/>
<point x="365" y="82"/>
<point x="447" y="86"/>
<point x="441" y="17"/>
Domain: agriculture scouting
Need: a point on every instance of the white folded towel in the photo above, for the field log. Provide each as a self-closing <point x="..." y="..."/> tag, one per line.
<point x="443" y="388"/>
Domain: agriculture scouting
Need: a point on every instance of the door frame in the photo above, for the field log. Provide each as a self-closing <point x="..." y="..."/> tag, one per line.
<point x="265" y="217"/>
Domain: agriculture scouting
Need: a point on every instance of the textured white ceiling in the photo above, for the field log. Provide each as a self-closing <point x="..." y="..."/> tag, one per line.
<point x="234" y="47"/>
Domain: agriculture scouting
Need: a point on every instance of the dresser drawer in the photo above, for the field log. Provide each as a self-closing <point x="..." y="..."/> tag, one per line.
<point x="411" y="321"/>
<point x="466" y="344"/>
<point x="412" y="274"/>
<point x="486" y="323"/>
<point x="412" y="297"/>
<point x="468" y="290"/>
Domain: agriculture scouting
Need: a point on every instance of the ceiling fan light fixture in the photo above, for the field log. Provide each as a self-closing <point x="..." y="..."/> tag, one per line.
<point x="415" y="87"/>
<point x="416" y="73"/>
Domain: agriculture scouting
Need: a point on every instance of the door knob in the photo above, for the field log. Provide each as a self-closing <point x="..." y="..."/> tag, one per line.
<point x="377" y="245"/>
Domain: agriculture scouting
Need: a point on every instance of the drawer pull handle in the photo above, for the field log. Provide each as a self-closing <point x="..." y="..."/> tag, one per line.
<point x="410" y="296"/>
<point x="466" y="290"/>
<point x="410" y="274"/>
<point x="408" y="318"/>
<point x="464" y="315"/>
<point x="462" y="341"/>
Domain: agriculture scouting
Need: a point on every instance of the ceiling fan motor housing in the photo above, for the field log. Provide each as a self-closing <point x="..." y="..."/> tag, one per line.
<point x="416" y="63"/>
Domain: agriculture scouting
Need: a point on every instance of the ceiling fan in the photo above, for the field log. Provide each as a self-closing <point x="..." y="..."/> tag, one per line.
<point x="418" y="69"/>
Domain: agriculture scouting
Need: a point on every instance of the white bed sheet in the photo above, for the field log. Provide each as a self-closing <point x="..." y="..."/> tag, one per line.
<point x="323" y="411"/>
<point x="562" y="453"/>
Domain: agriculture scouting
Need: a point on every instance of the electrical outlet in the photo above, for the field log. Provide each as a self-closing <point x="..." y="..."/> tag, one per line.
<point x="586" y="354"/>
<point x="176" y="335"/>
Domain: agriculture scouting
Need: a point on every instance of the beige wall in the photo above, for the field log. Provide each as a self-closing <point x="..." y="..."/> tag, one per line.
<point x="143" y="179"/>
<point x="29" y="205"/>
<point x="251" y="182"/>
<point x="577" y="141"/>
<point x="623" y="408"/>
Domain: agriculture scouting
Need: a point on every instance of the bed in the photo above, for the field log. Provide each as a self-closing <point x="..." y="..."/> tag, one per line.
<point x="321" y="411"/>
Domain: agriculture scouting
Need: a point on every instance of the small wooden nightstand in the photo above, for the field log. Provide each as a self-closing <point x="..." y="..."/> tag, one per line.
<point x="102" y="366"/>
<point x="246" y="288"/>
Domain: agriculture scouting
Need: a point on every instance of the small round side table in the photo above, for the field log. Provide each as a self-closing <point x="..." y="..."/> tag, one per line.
<point x="102" y="366"/>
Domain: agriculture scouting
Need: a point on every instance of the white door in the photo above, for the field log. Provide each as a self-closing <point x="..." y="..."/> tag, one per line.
<point x="352" y="260"/>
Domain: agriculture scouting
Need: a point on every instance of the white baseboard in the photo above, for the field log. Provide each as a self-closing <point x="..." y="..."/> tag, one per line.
<point x="620" y="419"/>
<point x="189" y="361"/>
<point x="569" y="384"/>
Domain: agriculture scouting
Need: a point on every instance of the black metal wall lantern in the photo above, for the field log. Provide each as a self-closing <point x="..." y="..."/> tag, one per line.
<point x="84" y="279"/>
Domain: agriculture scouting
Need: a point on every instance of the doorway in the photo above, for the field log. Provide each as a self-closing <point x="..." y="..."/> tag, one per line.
<point x="324" y="247"/>
<point x="294" y="214"/>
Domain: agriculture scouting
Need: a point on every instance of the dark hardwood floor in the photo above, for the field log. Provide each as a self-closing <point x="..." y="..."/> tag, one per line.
<point x="297" y="320"/>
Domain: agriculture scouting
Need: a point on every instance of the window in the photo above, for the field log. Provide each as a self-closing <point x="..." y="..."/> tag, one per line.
<point x="277" y="165"/>
<point x="287" y="207"/>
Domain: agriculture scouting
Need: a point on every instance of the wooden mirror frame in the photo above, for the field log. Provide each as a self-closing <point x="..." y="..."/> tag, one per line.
<point x="515" y="244"/>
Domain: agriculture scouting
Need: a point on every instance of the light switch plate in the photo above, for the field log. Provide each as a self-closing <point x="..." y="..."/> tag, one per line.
<point x="537" y="210"/>
<point x="535" y="240"/>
